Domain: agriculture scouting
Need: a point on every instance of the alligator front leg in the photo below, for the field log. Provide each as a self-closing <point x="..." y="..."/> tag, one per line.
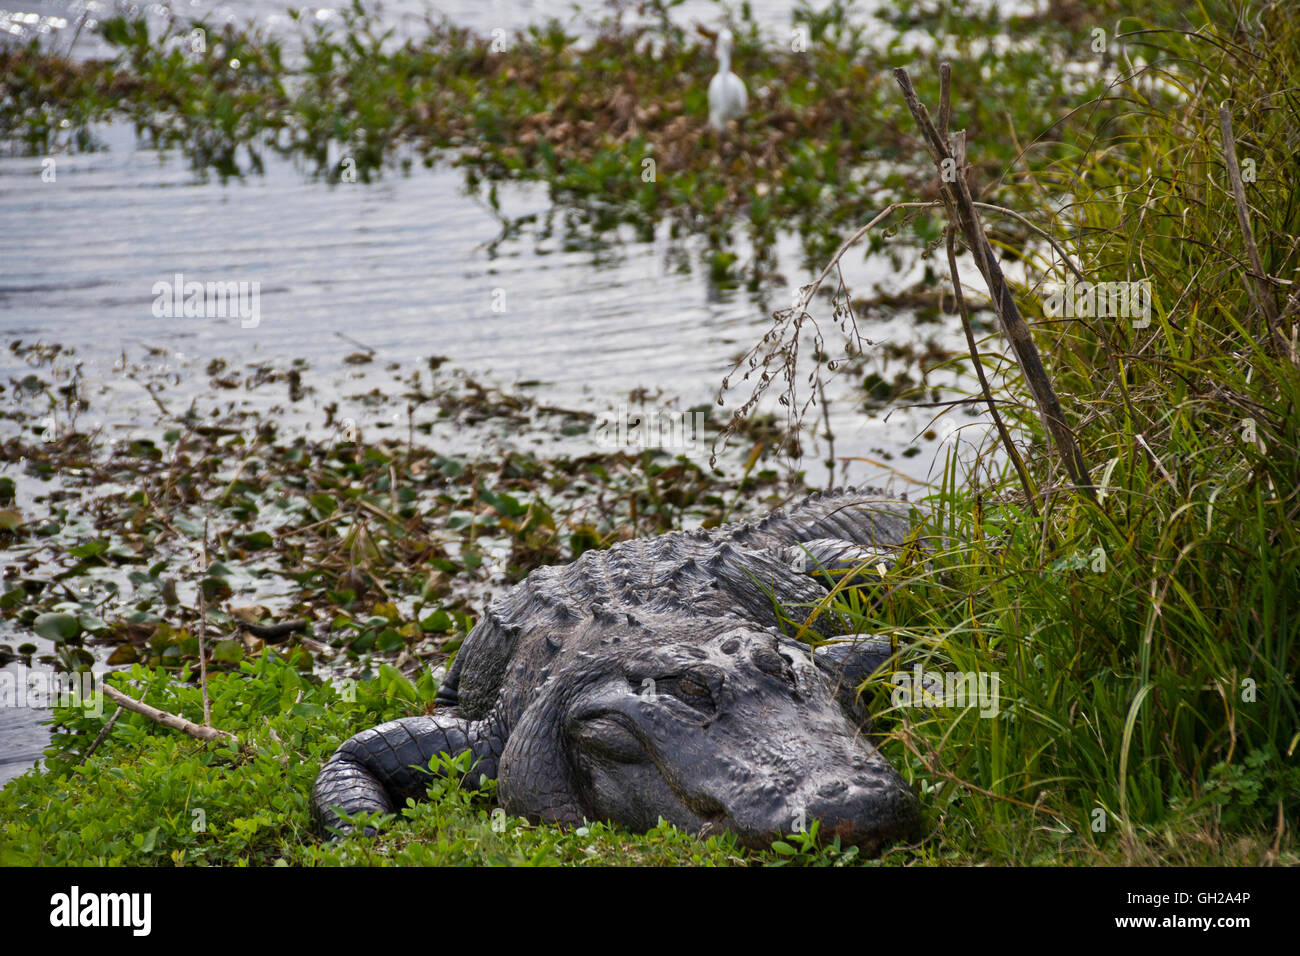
<point x="378" y="769"/>
<point x="829" y="559"/>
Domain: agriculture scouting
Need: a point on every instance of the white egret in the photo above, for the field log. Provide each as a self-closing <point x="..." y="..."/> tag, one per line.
<point x="727" y="95"/>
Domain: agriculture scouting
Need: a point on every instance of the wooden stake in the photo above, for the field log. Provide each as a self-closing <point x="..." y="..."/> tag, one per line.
<point x="961" y="208"/>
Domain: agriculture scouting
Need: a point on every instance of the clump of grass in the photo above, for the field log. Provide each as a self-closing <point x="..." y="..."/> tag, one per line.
<point x="1146" y="643"/>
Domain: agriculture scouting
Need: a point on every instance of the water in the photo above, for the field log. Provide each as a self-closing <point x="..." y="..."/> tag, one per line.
<point x="58" y="19"/>
<point x="22" y="737"/>
<point x="410" y="266"/>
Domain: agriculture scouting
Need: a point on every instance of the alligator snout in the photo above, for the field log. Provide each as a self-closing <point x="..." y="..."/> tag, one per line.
<point x="867" y="815"/>
<point x="869" y="810"/>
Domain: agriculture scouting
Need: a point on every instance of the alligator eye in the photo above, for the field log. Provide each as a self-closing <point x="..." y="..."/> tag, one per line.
<point x="690" y="691"/>
<point x="605" y="736"/>
<point x="694" y="689"/>
<point x="774" y="664"/>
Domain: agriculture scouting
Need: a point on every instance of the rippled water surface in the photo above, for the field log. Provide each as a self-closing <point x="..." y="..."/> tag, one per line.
<point x="411" y="266"/>
<point x="60" y="18"/>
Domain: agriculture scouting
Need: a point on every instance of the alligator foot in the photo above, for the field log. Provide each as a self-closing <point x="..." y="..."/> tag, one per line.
<point x="379" y="769"/>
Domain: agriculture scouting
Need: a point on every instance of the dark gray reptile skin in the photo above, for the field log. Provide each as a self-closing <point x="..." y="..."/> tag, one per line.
<point x="652" y="680"/>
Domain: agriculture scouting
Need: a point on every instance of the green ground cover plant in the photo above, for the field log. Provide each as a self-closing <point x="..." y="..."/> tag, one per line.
<point x="1143" y="633"/>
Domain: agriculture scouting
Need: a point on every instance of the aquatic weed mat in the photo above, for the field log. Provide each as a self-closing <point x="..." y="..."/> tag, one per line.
<point x="370" y="534"/>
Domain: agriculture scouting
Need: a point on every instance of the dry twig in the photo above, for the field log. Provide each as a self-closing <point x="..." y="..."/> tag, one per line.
<point x="961" y="208"/>
<point x="173" y="721"/>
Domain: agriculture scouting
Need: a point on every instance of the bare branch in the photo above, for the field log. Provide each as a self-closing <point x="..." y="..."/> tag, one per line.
<point x="961" y="207"/>
<point x="167" y="720"/>
<point x="1259" y="292"/>
<point x="1012" y="451"/>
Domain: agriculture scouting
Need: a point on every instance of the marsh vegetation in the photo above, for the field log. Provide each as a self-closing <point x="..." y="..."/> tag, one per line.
<point x="1143" y="624"/>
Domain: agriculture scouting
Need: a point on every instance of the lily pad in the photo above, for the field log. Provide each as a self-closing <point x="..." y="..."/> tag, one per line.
<point x="57" y="627"/>
<point x="324" y="504"/>
<point x="258" y="541"/>
<point x="90" y="549"/>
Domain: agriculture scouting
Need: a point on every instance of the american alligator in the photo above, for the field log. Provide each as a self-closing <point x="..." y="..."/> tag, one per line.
<point x="657" y="679"/>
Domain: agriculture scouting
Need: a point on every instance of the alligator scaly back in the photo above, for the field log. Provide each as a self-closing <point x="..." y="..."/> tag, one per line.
<point x="648" y="679"/>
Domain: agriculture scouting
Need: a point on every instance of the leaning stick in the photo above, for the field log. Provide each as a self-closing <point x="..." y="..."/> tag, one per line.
<point x="961" y="208"/>
<point x="1025" y="482"/>
<point x="203" y="635"/>
<point x="173" y="721"/>
<point x="104" y="732"/>
<point x="1259" y="292"/>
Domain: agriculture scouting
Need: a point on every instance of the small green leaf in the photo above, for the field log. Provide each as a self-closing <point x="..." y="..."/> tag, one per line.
<point x="192" y="528"/>
<point x="258" y="541"/>
<point x="438" y="622"/>
<point x="57" y="627"/>
<point x="90" y="549"/>
<point x="390" y="640"/>
<point x="229" y="651"/>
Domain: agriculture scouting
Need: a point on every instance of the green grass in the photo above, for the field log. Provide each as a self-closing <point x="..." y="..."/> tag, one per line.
<point x="1145" y="642"/>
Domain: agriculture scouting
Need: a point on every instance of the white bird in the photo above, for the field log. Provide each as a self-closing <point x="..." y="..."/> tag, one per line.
<point x="727" y="95"/>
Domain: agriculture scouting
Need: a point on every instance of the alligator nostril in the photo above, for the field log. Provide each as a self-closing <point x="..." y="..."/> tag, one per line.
<point x="832" y="788"/>
<point x="770" y="662"/>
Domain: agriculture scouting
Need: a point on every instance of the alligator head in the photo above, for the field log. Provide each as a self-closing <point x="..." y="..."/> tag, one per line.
<point x="737" y="731"/>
